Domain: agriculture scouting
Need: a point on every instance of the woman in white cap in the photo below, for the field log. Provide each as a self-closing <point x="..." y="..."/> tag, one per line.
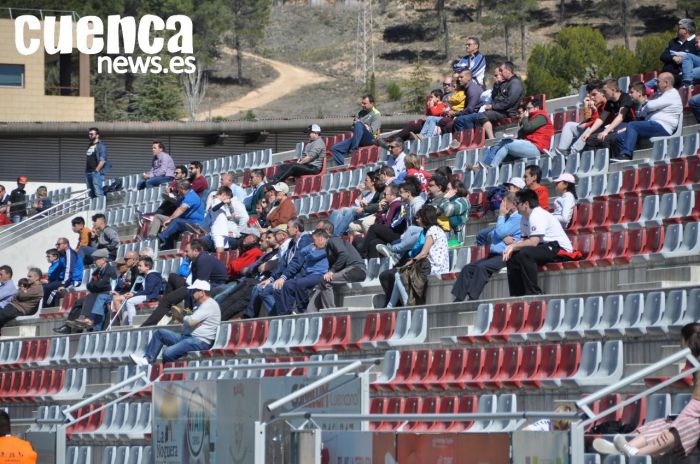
<point x="564" y="204"/>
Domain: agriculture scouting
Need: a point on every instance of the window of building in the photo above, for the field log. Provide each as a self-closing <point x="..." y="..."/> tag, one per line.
<point x="11" y="75"/>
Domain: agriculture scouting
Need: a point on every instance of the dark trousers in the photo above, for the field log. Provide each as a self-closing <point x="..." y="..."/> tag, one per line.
<point x="445" y="124"/>
<point x="7" y="314"/>
<point x="522" y="269"/>
<point x="386" y="279"/>
<point x="413" y="126"/>
<point x="294" y="170"/>
<point x="295" y="293"/>
<point x="473" y="277"/>
<point x="48" y="288"/>
<point x="377" y="234"/>
<point x="166" y="207"/>
<point x="175" y="292"/>
<point x="234" y="300"/>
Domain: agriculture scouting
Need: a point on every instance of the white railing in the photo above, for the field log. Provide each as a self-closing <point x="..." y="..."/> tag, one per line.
<point x="12" y="234"/>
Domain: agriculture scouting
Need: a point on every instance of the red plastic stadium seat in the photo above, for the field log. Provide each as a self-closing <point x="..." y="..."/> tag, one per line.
<point x="629" y="182"/>
<point x="424" y="359"/>
<point x="559" y="120"/>
<point x="377" y="405"/>
<point x="510" y="361"/>
<point x="584" y="215"/>
<point x="418" y="405"/>
<point x="645" y="178"/>
<point x="395" y="406"/>
<point x="634" y="413"/>
<point x="473" y="369"/>
<point x="437" y="370"/>
<point x="527" y="368"/>
<point x="501" y="314"/>
<point x="466" y="405"/>
<point x="448" y="405"/>
<point x="493" y="363"/>
<point x="679" y="172"/>
<point x="407" y="360"/>
<point x="369" y="333"/>
<point x="516" y="320"/>
<point x="633" y="208"/>
<point x="600" y="212"/>
<point x="339" y="333"/>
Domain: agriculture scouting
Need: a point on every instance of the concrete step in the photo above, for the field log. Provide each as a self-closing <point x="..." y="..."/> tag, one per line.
<point x="435" y="333"/>
<point x="19" y="331"/>
<point x="689" y="274"/>
<point x="358" y="301"/>
<point x="645" y="286"/>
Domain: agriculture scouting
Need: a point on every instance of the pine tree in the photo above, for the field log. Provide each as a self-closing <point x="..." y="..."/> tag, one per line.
<point x="416" y="88"/>
<point x="248" y="21"/>
<point x="158" y="98"/>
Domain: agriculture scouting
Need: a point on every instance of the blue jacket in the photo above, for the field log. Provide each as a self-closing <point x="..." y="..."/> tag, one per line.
<point x="503" y="229"/>
<point x="302" y="242"/>
<point x="153" y="286"/>
<point x="74" y="268"/>
<point x="311" y="261"/>
<point x="57" y="270"/>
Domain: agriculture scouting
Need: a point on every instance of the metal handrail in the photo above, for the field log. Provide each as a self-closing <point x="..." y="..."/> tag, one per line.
<point x="262" y="366"/>
<point x="433" y="417"/>
<point x="16" y="232"/>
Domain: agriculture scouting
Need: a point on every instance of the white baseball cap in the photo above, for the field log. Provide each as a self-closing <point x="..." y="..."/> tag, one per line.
<point x="200" y="284"/>
<point x="517" y="182"/>
<point x="314" y="128"/>
<point x="566" y="177"/>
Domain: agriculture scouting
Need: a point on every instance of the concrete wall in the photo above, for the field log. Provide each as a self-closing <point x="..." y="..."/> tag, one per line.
<point x="29" y="103"/>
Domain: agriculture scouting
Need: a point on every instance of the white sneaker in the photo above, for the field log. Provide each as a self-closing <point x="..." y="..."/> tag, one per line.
<point x="622" y="446"/>
<point x="139" y="360"/>
<point x="604" y="446"/>
<point x="383" y="249"/>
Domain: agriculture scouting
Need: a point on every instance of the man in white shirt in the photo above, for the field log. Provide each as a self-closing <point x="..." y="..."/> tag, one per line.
<point x="198" y="329"/>
<point x="661" y="115"/>
<point x="542" y="241"/>
<point x="396" y="157"/>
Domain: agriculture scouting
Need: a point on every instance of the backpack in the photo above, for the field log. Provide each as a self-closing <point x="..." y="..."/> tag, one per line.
<point x="495" y="195"/>
<point x="115" y="186"/>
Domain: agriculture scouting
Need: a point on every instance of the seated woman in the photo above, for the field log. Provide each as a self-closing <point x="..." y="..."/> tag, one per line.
<point x="676" y="435"/>
<point x="564" y="205"/>
<point x="388" y="226"/>
<point x="454" y="209"/>
<point x="365" y="205"/>
<point x="407" y="284"/>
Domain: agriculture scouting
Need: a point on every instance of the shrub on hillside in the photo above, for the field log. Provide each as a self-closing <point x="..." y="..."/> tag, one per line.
<point x="556" y="69"/>
<point x="650" y="47"/>
<point x="393" y="90"/>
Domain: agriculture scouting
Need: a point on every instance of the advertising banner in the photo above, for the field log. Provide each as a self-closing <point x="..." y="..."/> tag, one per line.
<point x="454" y="448"/>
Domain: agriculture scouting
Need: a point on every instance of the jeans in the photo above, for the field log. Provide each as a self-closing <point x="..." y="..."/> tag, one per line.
<point x="262" y="296"/>
<point x="514" y="147"/>
<point x="295" y="293"/>
<point x="467" y="121"/>
<point x="428" y="129"/>
<point x="85" y="252"/>
<point x="691" y="68"/>
<point x="473" y="277"/>
<point x="154" y="181"/>
<point x="17" y="218"/>
<point x="627" y="140"/>
<point x="399" y="291"/>
<point x="482" y="237"/>
<point x="94" y="181"/>
<point x="341" y="219"/>
<point x="361" y="137"/>
<point x="176" y="226"/>
<point x="694" y="104"/>
<point x="407" y="240"/>
<point x="178" y="345"/>
<point x="97" y="312"/>
<point x="570" y="132"/>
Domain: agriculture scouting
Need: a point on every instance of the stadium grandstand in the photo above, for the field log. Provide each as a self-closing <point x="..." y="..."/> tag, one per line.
<point x="561" y="358"/>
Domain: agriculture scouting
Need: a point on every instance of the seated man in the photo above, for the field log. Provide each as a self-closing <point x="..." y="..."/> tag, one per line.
<point x="396" y="157"/>
<point x="311" y="160"/>
<point x="304" y="273"/>
<point x="162" y="168"/>
<point x="684" y="42"/>
<point x="198" y="334"/>
<point x="7" y="287"/>
<point x="225" y="221"/>
<point x="169" y="195"/>
<point x="661" y="116"/>
<point x="535" y="131"/>
<point x="473" y="277"/>
<point x="593" y="105"/>
<point x="149" y="290"/>
<point x="603" y="135"/>
<point x="248" y="253"/>
<point x="542" y="241"/>
<point x="235" y="296"/>
<point x="199" y="183"/>
<point x="26" y="300"/>
<point x="365" y="128"/>
<point x="102" y="237"/>
<point x="690" y="64"/>
<point x="345" y="266"/>
<point x="390" y="221"/>
<point x="263" y="295"/>
<point x="504" y="102"/>
<point x="190" y="210"/>
<point x="99" y="288"/>
<point x="258" y="182"/>
<point x="204" y="267"/>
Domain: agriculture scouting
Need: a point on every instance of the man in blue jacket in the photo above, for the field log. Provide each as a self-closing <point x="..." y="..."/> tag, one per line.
<point x="264" y="293"/>
<point x="473" y="277"/>
<point x="72" y="272"/>
<point x="302" y="275"/>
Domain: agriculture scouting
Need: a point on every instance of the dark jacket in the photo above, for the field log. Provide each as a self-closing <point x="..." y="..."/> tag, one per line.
<point x="254" y="269"/>
<point x="674" y="45"/>
<point x="342" y="255"/>
<point x="507" y="96"/>
<point x="100" y="282"/>
<point x="152" y="287"/>
<point x="473" y="93"/>
<point x="209" y="268"/>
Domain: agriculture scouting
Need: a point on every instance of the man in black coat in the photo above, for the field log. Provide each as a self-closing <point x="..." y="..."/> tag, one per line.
<point x="345" y="265"/>
<point x="683" y="42"/>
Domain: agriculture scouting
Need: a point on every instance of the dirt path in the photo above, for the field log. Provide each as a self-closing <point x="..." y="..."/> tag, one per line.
<point x="291" y="79"/>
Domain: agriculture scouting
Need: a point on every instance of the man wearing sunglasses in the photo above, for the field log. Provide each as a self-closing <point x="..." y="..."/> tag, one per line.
<point x="473" y="61"/>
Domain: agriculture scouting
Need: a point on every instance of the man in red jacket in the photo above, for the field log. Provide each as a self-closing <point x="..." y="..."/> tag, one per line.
<point x="534" y="137"/>
<point x="248" y="252"/>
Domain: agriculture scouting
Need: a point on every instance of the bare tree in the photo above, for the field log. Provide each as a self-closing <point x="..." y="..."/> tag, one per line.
<point x="195" y="87"/>
<point x="625" y="4"/>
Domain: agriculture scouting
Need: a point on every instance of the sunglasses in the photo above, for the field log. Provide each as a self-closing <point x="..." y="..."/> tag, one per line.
<point x="447" y="84"/>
